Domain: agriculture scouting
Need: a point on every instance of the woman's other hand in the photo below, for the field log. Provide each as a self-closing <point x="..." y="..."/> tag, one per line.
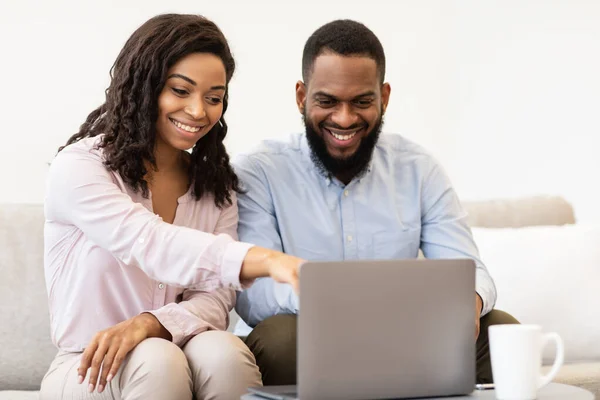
<point x="109" y="347"/>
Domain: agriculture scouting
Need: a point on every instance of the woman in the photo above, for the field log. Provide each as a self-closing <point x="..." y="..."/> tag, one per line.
<point x="139" y="234"/>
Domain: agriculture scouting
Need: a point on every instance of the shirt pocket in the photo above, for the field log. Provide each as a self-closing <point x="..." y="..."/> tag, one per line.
<point x="396" y="244"/>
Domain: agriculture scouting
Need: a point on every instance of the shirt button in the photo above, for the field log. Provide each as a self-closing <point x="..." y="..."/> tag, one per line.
<point x="161" y="286"/>
<point x="349" y="238"/>
<point x="141" y="240"/>
<point x="346" y="193"/>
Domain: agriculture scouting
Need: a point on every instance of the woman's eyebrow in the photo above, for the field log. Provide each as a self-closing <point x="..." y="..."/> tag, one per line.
<point x="185" y="78"/>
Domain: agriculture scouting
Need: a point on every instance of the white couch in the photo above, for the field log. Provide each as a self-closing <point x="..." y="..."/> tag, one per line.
<point x="547" y="272"/>
<point x="26" y="350"/>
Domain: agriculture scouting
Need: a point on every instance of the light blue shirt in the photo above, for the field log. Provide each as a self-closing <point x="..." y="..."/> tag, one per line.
<point x="403" y="203"/>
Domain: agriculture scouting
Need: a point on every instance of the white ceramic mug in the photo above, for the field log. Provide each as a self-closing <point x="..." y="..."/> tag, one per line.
<point x="516" y="355"/>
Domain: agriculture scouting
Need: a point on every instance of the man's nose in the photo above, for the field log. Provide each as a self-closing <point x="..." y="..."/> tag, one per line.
<point x="344" y="116"/>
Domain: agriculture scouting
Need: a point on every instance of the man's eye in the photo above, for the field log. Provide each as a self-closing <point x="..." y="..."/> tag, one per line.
<point x="180" y="92"/>
<point x="364" y="103"/>
<point x="325" y="102"/>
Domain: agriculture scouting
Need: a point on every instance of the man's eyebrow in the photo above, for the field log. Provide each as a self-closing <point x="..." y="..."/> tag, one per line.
<point x="185" y="78"/>
<point x="365" y="94"/>
<point x="324" y="94"/>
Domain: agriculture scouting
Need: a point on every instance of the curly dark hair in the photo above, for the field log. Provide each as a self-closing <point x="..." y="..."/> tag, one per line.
<point x="128" y="117"/>
<point x="344" y="37"/>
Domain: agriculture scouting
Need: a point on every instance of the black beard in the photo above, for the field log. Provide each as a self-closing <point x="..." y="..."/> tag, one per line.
<point x="353" y="166"/>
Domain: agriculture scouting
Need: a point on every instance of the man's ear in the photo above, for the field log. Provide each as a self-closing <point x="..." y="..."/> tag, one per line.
<point x="386" y="89"/>
<point x="300" y="96"/>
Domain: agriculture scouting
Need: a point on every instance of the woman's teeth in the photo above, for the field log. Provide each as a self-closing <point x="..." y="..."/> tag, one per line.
<point x="186" y="128"/>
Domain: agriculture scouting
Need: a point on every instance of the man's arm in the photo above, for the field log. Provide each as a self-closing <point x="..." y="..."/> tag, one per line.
<point x="445" y="233"/>
<point x="258" y="225"/>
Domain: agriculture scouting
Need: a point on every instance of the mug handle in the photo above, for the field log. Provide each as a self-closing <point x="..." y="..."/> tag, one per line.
<point x="558" y="361"/>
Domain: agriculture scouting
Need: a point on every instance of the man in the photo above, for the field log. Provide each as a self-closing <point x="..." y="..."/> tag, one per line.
<point x="342" y="191"/>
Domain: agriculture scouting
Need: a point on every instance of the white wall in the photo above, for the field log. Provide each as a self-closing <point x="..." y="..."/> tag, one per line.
<point x="504" y="93"/>
<point x="527" y="96"/>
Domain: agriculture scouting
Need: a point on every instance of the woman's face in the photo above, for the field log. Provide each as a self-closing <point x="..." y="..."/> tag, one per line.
<point x="191" y="102"/>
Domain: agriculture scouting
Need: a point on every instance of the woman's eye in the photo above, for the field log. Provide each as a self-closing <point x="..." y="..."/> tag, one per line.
<point x="180" y="92"/>
<point x="214" y="100"/>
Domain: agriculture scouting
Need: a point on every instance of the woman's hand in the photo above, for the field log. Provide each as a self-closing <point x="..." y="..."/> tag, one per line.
<point x="109" y="347"/>
<point x="284" y="268"/>
<point x="261" y="262"/>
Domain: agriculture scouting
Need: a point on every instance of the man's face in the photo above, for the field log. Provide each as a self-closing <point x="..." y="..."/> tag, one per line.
<point x="343" y="105"/>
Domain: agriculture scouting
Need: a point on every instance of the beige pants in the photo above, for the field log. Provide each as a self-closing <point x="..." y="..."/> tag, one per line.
<point x="212" y="365"/>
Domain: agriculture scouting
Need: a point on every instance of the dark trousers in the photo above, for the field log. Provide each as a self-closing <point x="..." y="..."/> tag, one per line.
<point x="273" y="343"/>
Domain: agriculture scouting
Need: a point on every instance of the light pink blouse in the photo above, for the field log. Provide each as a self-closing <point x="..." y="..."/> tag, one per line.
<point x="108" y="257"/>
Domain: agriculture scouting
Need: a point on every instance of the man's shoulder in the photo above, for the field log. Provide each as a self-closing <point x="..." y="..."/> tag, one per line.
<point x="400" y="150"/>
<point x="271" y="153"/>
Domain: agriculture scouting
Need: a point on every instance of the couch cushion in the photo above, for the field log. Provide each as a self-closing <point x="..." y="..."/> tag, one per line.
<point x="584" y="375"/>
<point x="25" y="347"/>
<point x="549" y="275"/>
<point x="18" y="395"/>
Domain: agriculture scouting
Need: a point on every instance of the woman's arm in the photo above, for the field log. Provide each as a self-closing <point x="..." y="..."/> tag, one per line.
<point x="201" y="311"/>
<point x="81" y="192"/>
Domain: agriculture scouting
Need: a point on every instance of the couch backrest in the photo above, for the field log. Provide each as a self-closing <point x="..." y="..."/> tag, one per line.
<point x="517" y="213"/>
<point x="25" y="347"/>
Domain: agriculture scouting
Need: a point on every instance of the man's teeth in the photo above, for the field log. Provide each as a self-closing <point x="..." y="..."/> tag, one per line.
<point x="343" y="137"/>
<point x="186" y="128"/>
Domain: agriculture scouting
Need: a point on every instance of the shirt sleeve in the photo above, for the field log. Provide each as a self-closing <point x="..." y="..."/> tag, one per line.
<point x="81" y="192"/>
<point x="258" y="225"/>
<point x="446" y="234"/>
<point x="201" y="311"/>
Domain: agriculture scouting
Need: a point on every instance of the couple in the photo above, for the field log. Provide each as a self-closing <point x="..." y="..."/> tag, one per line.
<point x="142" y="261"/>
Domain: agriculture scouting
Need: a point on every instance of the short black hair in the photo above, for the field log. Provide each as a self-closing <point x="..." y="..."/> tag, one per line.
<point x="344" y="37"/>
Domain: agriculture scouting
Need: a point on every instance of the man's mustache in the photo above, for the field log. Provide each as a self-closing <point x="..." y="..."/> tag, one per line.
<point x="335" y="126"/>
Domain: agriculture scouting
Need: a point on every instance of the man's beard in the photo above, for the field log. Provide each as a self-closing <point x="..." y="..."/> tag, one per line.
<point x="353" y="166"/>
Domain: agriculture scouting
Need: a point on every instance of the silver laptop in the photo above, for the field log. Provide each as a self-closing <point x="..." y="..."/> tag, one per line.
<point x="384" y="329"/>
